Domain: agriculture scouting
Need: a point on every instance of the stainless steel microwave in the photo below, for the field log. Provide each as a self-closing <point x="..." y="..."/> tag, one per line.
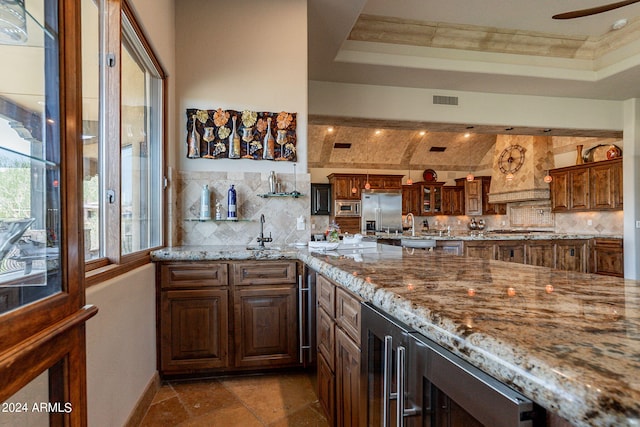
<point x="348" y="207"/>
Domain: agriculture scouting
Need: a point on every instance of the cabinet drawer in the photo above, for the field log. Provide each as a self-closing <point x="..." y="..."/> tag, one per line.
<point x="264" y="273"/>
<point x="326" y="294"/>
<point x="194" y="275"/>
<point x="326" y="334"/>
<point x="348" y="314"/>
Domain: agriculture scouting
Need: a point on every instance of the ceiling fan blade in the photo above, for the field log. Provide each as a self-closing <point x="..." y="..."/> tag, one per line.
<point x="593" y="10"/>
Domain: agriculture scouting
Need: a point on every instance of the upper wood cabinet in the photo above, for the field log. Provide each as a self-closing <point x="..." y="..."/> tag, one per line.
<point x="411" y="198"/>
<point x="344" y="184"/>
<point x="453" y="200"/>
<point x="589" y="187"/>
<point x="431" y="198"/>
<point x="477" y="197"/>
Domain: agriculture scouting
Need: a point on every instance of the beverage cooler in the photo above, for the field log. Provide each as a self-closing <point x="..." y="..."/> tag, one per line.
<point x="411" y="381"/>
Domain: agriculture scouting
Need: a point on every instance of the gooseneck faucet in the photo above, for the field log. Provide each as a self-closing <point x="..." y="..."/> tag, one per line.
<point x="261" y="239"/>
<point x="413" y="224"/>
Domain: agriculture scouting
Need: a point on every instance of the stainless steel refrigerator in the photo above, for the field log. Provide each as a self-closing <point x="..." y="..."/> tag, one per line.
<point x="381" y="211"/>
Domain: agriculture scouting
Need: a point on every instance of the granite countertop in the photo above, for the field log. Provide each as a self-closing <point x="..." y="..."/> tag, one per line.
<point x="516" y="235"/>
<point x="569" y="341"/>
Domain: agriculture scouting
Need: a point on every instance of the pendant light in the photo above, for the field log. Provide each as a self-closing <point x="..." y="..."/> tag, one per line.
<point x="367" y="185"/>
<point x="470" y="177"/>
<point x="409" y="180"/>
<point x="548" y="178"/>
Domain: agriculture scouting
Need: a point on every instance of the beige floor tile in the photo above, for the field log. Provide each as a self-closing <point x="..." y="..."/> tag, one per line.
<point x="305" y="417"/>
<point x="169" y="412"/>
<point x="165" y="392"/>
<point x="205" y="396"/>
<point x="231" y="416"/>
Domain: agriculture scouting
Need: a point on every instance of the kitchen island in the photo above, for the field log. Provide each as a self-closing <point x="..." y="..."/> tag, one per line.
<point x="568" y="341"/>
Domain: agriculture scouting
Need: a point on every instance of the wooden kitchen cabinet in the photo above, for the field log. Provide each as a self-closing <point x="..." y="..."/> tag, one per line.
<point x="478" y="249"/>
<point x="540" y="253"/>
<point x="201" y="332"/>
<point x="431" y="198"/>
<point x="453" y="200"/>
<point x="571" y="255"/>
<point x="349" y="224"/>
<point x="476" y="197"/>
<point x="194" y="317"/>
<point x="344" y="183"/>
<point x="510" y="251"/>
<point x="589" y="187"/>
<point x="338" y="339"/>
<point x="411" y="198"/>
<point x="607" y="257"/>
<point x="606" y="185"/>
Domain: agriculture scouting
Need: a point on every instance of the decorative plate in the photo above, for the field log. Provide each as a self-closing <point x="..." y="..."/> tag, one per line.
<point x="429" y="175"/>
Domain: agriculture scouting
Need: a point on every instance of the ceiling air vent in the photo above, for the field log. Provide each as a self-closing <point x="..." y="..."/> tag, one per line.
<point x="445" y="100"/>
<point x="342" y="145"/>
<point x="438" y="149"/>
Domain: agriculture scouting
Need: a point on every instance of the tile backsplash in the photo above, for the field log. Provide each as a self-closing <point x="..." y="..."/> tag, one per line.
<point x="281" y="213"/>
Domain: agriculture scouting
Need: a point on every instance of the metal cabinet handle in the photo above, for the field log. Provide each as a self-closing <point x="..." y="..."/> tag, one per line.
<point x="386" y="381"/>
<point x="301" y="322"/>
<point x="400" y="355"/>
<point x="402" y="411"/>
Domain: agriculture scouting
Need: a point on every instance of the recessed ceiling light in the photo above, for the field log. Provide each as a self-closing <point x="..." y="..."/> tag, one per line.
<point x="422" y="133"/>
<point x="330" y="129"/>
<point x="467" y="135"/>
<point x="619" y="24"/>
<point x="378" y="132"/>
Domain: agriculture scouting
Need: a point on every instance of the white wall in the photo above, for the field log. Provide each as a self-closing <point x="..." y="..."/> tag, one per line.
<point x="242" y="55"/>
<point x="631" y="183"/>
<point x="351" y="100"/>
<point x="121" y="345"/>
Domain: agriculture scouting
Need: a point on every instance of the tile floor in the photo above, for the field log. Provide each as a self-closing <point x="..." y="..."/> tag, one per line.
<point x="273" y="400"/>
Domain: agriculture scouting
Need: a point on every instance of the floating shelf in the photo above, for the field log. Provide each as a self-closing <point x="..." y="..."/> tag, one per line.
<point x="217" y="220"/>
<point x="293" y="194"/>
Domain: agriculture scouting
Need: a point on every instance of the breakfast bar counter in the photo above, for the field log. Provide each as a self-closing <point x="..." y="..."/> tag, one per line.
<point x="568" y="341"/>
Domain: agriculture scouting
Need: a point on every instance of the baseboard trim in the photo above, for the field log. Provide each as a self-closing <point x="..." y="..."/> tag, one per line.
<point x="144" y="402"/>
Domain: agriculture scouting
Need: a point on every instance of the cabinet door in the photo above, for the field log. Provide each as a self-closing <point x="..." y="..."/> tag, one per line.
<point x="265" y="326"/>
<point x="540" y="253"/>
<point x="342" y="188"/>
<point x="348" y="411"/>
<point x="457" y="201"/>
<point x="603" y="180"/>
<point x="431" y="200"/>
<point x="326" y="330"/>
<point x="482" y="250"/>
<point x="348" y="314"/>
<point x="473" y="197"/>
<point x="264" y="273"/>
<point x="579" y="189"/>
<point x="326" y="390"/>
<point x="608" y="257"/>
<point x="571" y="255"/>
<point x="452" y="247"/>
<point x="194" y="330"/>
<point x="510" y="251"/>
<point x="411" y="199"/>
<point x="349" y="225"/>
<point x="447" y="195"/>
<point x="320" y="199"/>
<point x="559" y="191"/>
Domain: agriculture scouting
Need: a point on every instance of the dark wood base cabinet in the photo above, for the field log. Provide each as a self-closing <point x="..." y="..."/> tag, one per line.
<point x="227" y="316"/>
<point x="338" y="338"/>
<point x="608" y="257"/>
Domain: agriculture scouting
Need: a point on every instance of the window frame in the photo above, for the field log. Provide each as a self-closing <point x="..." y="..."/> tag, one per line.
<point x="113" y="263"/>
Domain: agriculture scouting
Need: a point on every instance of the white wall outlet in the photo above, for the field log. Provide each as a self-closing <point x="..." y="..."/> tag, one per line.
<point x="503" y="223"/>
<point x="300" y="223"/>
<point x="313" y="225"/>
<point x="589" y="222"/>
<point x="459" y="222"/>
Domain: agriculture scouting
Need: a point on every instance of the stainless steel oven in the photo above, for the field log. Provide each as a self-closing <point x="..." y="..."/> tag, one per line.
<point x="348" y="208"/>
<point x="412" y="381"/>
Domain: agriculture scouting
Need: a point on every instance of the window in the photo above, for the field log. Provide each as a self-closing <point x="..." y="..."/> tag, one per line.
<point x="123" y="162"/>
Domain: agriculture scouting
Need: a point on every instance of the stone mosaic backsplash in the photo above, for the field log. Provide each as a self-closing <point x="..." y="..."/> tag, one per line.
<point x="281" y="213"/>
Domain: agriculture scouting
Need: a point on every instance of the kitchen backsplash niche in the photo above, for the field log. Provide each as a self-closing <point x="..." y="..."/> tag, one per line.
<point x="281" y="213"/>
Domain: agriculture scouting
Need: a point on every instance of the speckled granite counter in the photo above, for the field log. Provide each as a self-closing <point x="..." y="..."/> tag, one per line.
<point x="569" y="341"/>
<point x="494" y="236"/>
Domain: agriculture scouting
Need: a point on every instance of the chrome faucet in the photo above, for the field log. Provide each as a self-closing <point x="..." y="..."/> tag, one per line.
<point x="261" y="239"/>
<point x="413" y="223"/>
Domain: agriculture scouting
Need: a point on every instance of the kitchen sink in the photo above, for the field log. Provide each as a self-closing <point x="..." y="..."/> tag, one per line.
<point x="418" y="243"/>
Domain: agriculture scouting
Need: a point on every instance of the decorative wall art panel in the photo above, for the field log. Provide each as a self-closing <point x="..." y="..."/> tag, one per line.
<point x="228" y="134"/>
